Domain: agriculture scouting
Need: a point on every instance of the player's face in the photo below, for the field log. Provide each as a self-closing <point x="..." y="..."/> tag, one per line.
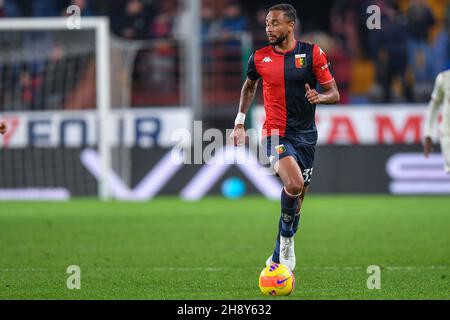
<point x="278" y="27"/>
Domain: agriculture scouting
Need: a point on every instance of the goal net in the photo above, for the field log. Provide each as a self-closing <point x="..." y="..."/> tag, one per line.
<point x="56" y="89"/>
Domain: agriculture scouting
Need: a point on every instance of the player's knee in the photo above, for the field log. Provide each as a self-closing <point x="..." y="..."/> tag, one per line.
<point x="294" y="186"/>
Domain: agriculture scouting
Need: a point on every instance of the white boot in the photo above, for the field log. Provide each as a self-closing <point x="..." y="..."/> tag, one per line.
<point x="287" y="253"/>
<point x="269" y="262"/>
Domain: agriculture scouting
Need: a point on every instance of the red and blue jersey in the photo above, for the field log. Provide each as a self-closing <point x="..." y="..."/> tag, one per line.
<point x="284" y="76"/>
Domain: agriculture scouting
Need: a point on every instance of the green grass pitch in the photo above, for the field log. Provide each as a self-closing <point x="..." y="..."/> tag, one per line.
<point x="216" y="248"/>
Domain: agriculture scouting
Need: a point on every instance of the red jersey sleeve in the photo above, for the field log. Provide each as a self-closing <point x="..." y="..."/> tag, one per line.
<point x="321" y="67"/>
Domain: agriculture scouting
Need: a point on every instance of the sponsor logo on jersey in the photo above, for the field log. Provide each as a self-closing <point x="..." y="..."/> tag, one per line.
<point x="267" y="59"/>
<point x="325" y="67"/>
<point x="300" y="61"/>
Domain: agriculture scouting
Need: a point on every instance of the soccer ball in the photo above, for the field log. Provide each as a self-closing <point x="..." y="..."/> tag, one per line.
<point x="276" y="280"/>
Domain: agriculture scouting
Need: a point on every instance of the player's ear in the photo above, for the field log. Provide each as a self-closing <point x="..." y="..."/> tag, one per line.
<point x="292" y="25"/>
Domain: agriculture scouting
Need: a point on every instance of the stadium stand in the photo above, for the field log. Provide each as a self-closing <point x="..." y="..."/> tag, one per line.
<point x="395" y="64"/>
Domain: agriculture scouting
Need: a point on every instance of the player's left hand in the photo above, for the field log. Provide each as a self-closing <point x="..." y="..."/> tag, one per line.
<point x="3" y="128"/>
<point x="312" y="95"/>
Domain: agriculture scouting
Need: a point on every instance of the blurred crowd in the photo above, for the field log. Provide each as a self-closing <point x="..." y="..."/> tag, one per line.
<point x="397" y="63"/>
<point x="137" y="19"/>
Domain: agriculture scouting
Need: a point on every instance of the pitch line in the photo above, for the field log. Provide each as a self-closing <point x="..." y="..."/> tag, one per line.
<point x="219" y="269"/>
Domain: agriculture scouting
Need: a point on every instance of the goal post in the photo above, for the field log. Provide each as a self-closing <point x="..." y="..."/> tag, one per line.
<point x="90" y="113"/>
<point x="100" y="25"/>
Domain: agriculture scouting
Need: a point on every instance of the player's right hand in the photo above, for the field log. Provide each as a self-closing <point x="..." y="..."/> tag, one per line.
<point x="427" y="146"/>
<point x="238" y="135"/>
<point x="3" y="128"/>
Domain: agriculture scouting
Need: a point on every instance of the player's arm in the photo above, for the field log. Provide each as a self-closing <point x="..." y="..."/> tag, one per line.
<point x="248" y="93"/>
<point x="432" y="115"/>
<point x="330" y="94"/>
<point x="3" y="128"/>
<point x="321" y="70"/>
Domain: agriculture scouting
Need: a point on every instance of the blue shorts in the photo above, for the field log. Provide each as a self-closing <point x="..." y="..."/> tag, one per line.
<point x="285" y="147"/>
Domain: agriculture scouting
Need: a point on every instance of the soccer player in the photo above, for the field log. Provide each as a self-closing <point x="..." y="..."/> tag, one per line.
<point x="290" y="71"/>
<point x="440" y="97"/>
<point x="3" y="128"/>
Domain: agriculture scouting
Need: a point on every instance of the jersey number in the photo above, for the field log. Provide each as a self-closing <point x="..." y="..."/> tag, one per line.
<point x="307" y="173"/>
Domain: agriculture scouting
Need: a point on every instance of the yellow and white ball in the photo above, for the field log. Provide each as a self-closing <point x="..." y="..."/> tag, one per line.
<point x="276" y="280"/>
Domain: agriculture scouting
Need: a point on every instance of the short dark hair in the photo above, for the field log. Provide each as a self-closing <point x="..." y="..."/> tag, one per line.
<point x="288" y="10"/>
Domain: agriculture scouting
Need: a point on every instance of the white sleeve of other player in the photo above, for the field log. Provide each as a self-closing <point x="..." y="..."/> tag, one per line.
<point x="434" y="105"/>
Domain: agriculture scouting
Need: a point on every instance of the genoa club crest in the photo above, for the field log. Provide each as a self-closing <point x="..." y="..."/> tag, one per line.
<point x="280" y="149"/>
<point x="300" y="60"/>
